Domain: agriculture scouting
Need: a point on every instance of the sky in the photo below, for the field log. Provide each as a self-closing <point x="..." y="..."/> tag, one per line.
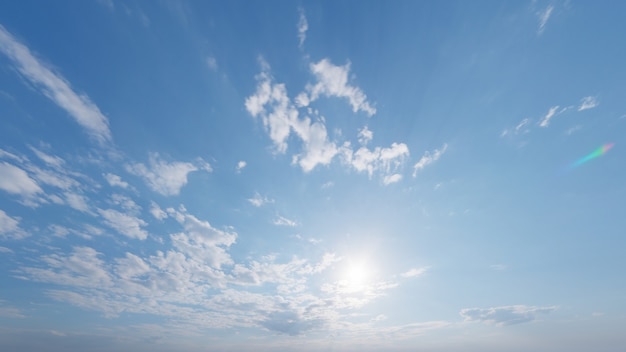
<point x="312" y="176"/>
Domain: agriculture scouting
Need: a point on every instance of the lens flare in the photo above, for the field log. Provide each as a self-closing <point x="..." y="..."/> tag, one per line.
<point x="595" y="154"/>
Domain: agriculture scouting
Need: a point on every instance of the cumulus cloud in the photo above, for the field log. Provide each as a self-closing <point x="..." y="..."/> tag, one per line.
<point x="164" y="177"/>
<point x="332" y="81"/>
<point x="240" y="166"/>
<point x="429" y="158"/>
<point x="157" y="212"/>
<point x="389" y="179"/>
<point x="124" y="224"/>
<point x="365" y="135"/>
<point x="384" y="160"/>
<point x="56" y="88"/>
<point x="546" y="119"/>
<point x="588" y="103"/>
<point x="506" y="315"/>
<point x="115" y="181"/>
<point x="544" y="16"/>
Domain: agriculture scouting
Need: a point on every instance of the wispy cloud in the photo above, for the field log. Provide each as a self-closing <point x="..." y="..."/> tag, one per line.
<point x="544" y="16"/>
<point x="16" y="181"/>
<point x="283" y="221"/>
<point x="429" y="158"/>
<point x="414" y="272"/>
<point x="546" y="119"/>
<point x="56" y="88"/>
<point x="506" y="315"/>
<point x="9" y="227"/>
<point x="211" y="62"/>
<point x="115" y="180"/>
<point x="124" y="224"/>
<point x="166" y="178"/>
<point x="259" y="200"/>
<point x="393" y="178"/>
<point x="303" y="26"/>
<point x="587" y="103"/>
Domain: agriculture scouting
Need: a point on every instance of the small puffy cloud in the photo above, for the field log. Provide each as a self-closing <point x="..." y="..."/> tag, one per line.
<point x="546" y="119"/>
<point x="56" y="88"/>
<point x="544" y="16"/>
<point x="283" y="221"/>
<point x="124" y="224"/>
<point x="365" y="135"/>
<point x="303" y="26"/>
<point x="332" y="81"/>
<point x="429" y="158"/>
<point x="587" y="103"/>
<point x="259" y="200"/>
<point x="77" y="201"/>
<point x="389" y="179"/>
<point x="240" y="166"/>
<point x="414" y="272"/>
<point x="164" y="177"/>
<point x="16" y="181"/>
<point x="115" y="181"/>
<point x="211" y="62"/>
<point x="384" y="160"/>
<point x="157" y="212"/>
<point x="506" y="315"/>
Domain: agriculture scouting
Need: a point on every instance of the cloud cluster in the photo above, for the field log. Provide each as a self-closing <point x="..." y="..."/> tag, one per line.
<point x="282" y="119"/>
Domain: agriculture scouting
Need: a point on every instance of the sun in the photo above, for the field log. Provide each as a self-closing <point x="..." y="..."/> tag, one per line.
<point x="357" y="273"/>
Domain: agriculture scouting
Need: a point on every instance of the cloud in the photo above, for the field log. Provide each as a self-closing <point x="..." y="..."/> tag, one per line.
<point x="389" y="179"/>
<point x="259" y="200"/>
<point x="56" y="88"/>
<point x="332" y="81"/>
<point x="365" y="136"/>
<point x="16" y="181"/>
<point x="384" y="160"/>
<point x="546" y="119"/>
<point x="520" y="128"/>
<point x="283" y="221"/>
<point x="157" y="212"/>
<point x="115" y="181"/>
<point x="124" y="224"/>
<point x="544" y="16"/>
<point x="9" y="227"/>
<point x="429" y="158"/>
<point x="303" y="26"/>
<point x="588" y="103"/>
<point x="211" y="63"/>
<point x="414" y="272"/>
<point x="506" y="315"/>
<point x="240" y="166"/>
<point x="164" y="177"/>
<point x="77" y="201"/>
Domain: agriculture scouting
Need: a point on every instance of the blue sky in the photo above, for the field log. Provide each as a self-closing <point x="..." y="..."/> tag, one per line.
<point x="312" y="176"/>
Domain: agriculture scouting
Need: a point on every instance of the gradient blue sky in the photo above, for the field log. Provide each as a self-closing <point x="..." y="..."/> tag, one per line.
<point x="312" y="176"/>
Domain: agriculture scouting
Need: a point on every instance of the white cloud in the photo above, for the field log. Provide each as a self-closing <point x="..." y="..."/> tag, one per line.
<point x="164" y="177"/>
<point x="16" y="181"/>
<point x="9" y="227"/>
<point x="157" y="212"/>
<point x="283" y="221"/>
<point x="51" y="160"/>
<point x="506" y="315"/>
<point x="414" y="272"/>
<point x="259" y="200"/>
<point x="546" y="119"/>
<point x="124" y="224"/>
<point x="384" y="160"/>
<point x="211" y="63"/>
<point x="365" y="135"/>
<point x="303" y="26"/>
<point x="573" y="129"/>
<point x="588" y="103"/>
<point x="56" y="88"/>
<point x="429" y="158"/>
<point x="77" y="201"/>
<point x="115" y="180"/>
<point x="520" y="128"/>
<point x="332" y="81"/>
<point x="389" y="179"/>
<point x="240" y="166"/>
<point x="544" y="16"/>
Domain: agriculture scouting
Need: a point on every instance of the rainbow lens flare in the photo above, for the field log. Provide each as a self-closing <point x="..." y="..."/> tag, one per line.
<point x="596" y="153"/>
